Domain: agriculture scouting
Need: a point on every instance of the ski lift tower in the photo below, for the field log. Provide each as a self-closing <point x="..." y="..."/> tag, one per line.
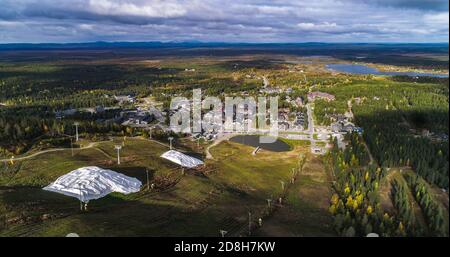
<point x="223" y="232"/>
<point x="76" y="124"/>
<point x="118" y="148"/>
<point x="170" y="139"/>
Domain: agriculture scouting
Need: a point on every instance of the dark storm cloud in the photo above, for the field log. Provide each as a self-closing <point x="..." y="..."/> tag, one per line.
<point x="215" y="20"/>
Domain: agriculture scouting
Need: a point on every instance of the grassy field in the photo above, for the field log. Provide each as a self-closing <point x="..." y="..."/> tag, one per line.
<point x="193" y="204"/>
<point x="305" y="210"/>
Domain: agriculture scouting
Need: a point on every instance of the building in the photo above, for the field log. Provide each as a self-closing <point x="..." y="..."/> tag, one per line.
<point x="283" y="116"/>
<point x="283" y="125"/>
<point x="348" y="128"/>
<point x="125" y="99"/>
<point x="336" y="127"/>
<point x="299" y="101"/>
<point x="99" y="109"/>
<point x="271" y="90"/>
<point x="341" y="118"/>
<point x="62" y="114"/>
<point x="320" y="95"/>
<point x="136" y="118"/>
<point x="345" y="127"/>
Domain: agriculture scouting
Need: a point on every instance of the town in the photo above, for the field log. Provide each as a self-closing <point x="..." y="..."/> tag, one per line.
<point x="237" y="123"/>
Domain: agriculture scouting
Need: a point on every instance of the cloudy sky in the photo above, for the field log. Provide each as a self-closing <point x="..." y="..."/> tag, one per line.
<point x="224" y="20"/>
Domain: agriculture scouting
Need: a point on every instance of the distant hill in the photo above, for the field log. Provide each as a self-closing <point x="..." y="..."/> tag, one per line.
<point x="195" y="44"/>
<point x="428" y="56"/>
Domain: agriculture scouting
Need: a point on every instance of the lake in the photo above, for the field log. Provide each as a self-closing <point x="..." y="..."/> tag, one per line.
<point x="253" y="140"/>
<point x="365" y="70"/>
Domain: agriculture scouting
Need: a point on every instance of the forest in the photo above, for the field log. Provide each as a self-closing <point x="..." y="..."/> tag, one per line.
<point x="355" y="203"/>
<point x="405" y="124"/>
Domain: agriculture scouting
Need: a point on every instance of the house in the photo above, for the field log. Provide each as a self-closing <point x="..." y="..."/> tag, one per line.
<point x="320" y="95"/>
<point x="68" y="112"/>
<point x="99" y="109"/>
<point x="283" y="125"/>
<point x="125" y="99"/>
<point x="271" y="90"/>
<point x="345" y="127"/>
<point x="282" y="116"/>
<point x="299" y="125"/>
<point x="300" y="121"/>
<point x="299" y="101"/>
<point x="157" y="114"/>
<point x="336" y="127"/>
<point x="339" y="118"/>
<point x="348" y="128"/>
<point x="136" y="118"/>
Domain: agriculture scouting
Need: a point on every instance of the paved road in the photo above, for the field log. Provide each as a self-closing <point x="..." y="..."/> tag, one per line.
<point x="310" y="125"/>
<point x="265" y="81"/>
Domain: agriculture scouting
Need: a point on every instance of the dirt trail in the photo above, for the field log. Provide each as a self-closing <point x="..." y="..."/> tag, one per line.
<point x="216" y="142"/>
<point x="90" y="145"/>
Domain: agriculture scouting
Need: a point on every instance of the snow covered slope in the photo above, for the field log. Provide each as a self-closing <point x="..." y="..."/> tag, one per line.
<point x="90" y="183"/>
<point x="181" y="159"/>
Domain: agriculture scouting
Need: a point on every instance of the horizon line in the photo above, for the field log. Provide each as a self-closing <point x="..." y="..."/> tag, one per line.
<point x="214" y="42"/>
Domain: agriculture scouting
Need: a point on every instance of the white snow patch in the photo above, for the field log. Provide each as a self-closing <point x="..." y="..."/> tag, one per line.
<point x="92" y="182"/>
<point x="181" y="159"/>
